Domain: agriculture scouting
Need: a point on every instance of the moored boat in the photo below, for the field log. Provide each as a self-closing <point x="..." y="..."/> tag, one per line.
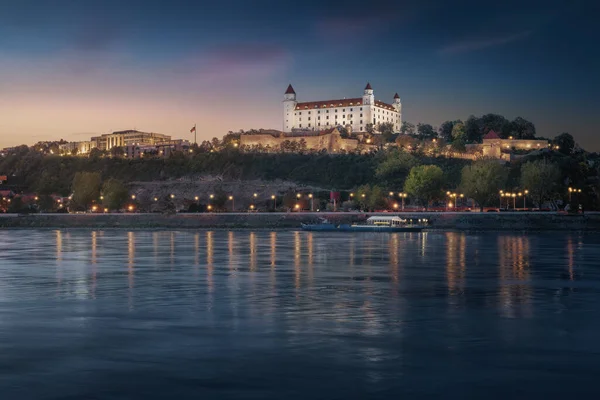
<point x="373" y="224"/>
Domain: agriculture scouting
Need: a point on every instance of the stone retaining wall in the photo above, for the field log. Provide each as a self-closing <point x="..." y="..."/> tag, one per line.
<point x="460" y="221"/>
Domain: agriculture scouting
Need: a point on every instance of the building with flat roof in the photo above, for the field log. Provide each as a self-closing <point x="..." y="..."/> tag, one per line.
<point x="128" y="138"/>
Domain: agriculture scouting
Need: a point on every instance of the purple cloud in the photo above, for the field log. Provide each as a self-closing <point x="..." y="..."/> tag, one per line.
<point x="470" y="45"/>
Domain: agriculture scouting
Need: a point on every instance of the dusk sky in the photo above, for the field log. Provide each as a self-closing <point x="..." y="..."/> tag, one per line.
<point x="72" y="69"/>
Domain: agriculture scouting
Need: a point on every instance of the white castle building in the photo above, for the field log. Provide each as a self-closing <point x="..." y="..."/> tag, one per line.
<point x="354" y="114"/>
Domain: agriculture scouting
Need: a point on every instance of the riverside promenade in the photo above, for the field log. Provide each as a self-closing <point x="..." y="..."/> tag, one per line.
<point x="468" y="221"/>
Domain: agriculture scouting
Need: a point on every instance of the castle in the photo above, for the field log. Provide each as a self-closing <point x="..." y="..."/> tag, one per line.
<point x="354" y="114"/>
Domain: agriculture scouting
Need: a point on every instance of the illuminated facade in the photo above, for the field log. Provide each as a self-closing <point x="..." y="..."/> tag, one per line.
<point x="354" y="113"/>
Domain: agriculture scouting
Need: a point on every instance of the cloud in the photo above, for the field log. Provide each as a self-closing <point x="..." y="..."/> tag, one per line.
<point x="240" y="60"/>
<point x="468" y="46"/>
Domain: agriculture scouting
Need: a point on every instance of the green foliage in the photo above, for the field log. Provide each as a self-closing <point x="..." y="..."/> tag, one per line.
<point x="540" y="178"/>
<point x="426" y="131"/>
<point x="394" y="167"/>
<point x="445" y="131"/>
<point x="370" y="197"/>
<point x="459" y="137"/>
<point x="86" y="188"/>
<point x="115" y="194"/>
<point x="425" y="183"/>
<point x="565" y="143"/>
<point x="407" y="128"/>
<point x="483" y="180"/>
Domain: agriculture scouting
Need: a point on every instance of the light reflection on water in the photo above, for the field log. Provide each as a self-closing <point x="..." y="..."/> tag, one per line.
<point x="289" y="314"/>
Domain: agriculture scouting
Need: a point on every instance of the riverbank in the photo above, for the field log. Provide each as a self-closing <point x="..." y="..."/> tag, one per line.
<point x="522" y="221"/>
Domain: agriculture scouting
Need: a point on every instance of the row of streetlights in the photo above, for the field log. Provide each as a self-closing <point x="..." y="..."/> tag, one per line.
<point x="514" y="195"/>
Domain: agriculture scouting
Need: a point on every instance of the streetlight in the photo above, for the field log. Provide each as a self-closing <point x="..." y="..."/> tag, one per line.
<point x="212" y="196"/>
<point x="525" y="192"/>
<point x="232" y="203"/>
<point x="209" y="207"/>
<point x="298" y="195"/>
<point x="403" y="195"/>
<point x="133" y="197"/>
<point x="130" y="208"/>
<point x="274" y="198"/>
<point x="570" y="191"/>
<point x="156" y="199"/>
<point x="351" y="195"/>
<point x="251" y="207"/>
<point x="514" y="196"/>
<point x="297" y="207"/>
<point x="101" y="197"/>
<point x="391" y="194"/>
<point x="172" y="196"/>
<point x="312" y="202"/>
<point x="501" y="196"/>
<point x="255" y="195"/>
<point x="395" y="206"/>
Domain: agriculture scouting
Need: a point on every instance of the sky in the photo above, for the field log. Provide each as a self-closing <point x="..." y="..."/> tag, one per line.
<point x="72" y="69"/>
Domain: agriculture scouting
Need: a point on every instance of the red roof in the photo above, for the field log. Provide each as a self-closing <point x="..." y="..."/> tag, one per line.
<point x="491" y="135"/>
<point x="357" y="101"/>
<point x="290" y="90"/>
<point x="368" y="87"/>
<point x="396" y="96"/>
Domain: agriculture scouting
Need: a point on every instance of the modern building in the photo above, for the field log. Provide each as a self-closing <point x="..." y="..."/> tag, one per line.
<point x="83" y="147"/>
<point x="162" y="149"/>
<point x="353" y="113"/>
<point x="128" y="138"/>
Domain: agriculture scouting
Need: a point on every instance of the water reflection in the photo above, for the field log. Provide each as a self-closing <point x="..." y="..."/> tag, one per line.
<point x="515" y="288"/>
<point x="455" y="262"/>
<point x="380" y="311"/>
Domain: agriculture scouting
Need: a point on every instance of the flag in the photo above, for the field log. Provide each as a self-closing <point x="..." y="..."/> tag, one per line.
<point x="193" y="129"/>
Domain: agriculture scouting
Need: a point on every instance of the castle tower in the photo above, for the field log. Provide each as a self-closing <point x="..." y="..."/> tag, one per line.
<point x="398" y="107"/>
<point x="289" y="105"/>
<point x="368" y="97"/>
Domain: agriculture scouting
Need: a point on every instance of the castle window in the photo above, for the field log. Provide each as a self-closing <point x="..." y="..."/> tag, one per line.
<point x="328" y="117"/>
<point x="344" y="116"/>
<point x="361" y="109"/>
<point x="300" y="125"/>
<point x="319" y="124"/>
<point x="350" y="109"/>
<point x="361" y="128"/>
<point x="309" y="113"/>
<point x="336" y="110"/>
<point x="309" y="118"/>
<point x="318" y="112"/>
<point x="300" y="113"/>
<point x="361" y="123"/>
<point x="361" y="115"/>
<point x="309" y="125"/>
<point x="319" y="118"/>
<point x="327" y="112"/>
<point x="343" y="109"/>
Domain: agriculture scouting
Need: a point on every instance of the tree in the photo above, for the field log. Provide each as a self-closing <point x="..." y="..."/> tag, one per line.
<point x="425" y="183"/>
<point x="520" y="128"/>
<point x="445" y="130"/>
<point x="473" y="131"/>
<point x="395" y="167"/>
<point x="483" y="180"/>
<point x="495" y="122"/>
<point x="426" y="131"/>
<point x="540" y="178"/>
<point x="370" y="128"/>
<point x="407" y="128"/>
<point x="115" y="194"/>
<point x="86" y="188"/>
<point x="117" y="151"/>
<point x="95" y="153"/>
<point x="370" y="197"/>
<point x="459" y="137"/>
<point x="565" y="143"/>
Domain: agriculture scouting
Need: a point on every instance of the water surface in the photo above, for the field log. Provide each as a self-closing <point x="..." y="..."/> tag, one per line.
<point x="298" y="315"/>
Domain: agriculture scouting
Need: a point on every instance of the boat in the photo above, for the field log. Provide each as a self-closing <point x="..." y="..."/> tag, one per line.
<point x="373" y="224"/>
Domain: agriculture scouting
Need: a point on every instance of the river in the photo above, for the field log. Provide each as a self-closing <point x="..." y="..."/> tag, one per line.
<point x="297" y="315"/>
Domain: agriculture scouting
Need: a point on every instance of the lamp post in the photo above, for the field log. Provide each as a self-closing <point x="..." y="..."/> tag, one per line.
<point x="520" y="194"/>
<point x="232" y="203"/>
<point x="524" y="196"/>
<point x="570" y="191"/>
<point x="312" y="202"/>
<point x="514" y="196"/>
<point x="274" y="198"/>
<point x="501" y="196"/>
